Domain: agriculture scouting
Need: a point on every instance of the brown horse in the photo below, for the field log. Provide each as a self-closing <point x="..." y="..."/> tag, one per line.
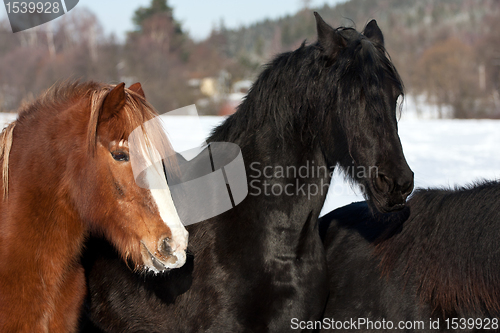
<point x="66" y="173"/>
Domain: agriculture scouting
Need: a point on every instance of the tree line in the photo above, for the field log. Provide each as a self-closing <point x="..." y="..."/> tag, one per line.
<point x="445" y="50"/>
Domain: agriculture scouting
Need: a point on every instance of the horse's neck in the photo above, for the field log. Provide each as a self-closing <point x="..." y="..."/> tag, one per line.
<point x="36" y="207"/>
<point x="43" y="226"/>
<point x="281" y="153"/>
<point x="287" y="185"/>
<point x="39" y="269"/>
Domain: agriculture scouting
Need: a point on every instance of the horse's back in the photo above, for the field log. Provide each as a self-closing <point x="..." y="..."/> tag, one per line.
<point x="358" y="290"/>
<point x="445" y="232"/>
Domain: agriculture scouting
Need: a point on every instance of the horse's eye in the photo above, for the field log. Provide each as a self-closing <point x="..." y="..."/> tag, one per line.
<point x="120" y="156"/>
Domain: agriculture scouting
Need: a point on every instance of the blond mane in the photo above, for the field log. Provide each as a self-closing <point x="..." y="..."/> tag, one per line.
<point x="6" y="145"/>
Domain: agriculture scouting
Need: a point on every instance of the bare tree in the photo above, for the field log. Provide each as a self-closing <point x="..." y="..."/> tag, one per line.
<point x="448" y="75"/>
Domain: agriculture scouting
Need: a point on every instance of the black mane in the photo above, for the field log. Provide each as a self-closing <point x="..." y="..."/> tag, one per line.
<point x="360" y="68"/>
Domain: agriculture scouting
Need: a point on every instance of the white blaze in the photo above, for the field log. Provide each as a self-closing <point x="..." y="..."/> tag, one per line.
<point x="163" y="199"/>
<point x="156" y="181"/>
<point x="147" y="167"/>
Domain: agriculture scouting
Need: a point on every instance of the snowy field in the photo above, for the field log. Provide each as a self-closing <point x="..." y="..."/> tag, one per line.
<point x="441" y="153"/>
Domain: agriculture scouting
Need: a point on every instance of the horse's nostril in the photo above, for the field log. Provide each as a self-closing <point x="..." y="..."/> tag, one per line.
<point x="383" y="183"/>
<point x="165" y="248"/>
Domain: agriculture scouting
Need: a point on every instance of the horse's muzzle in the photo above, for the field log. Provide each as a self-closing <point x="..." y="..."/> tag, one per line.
<point x="167" y="256"/>
<point x="391" y="194"/>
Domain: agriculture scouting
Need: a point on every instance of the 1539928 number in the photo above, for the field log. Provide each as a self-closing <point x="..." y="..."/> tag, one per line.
<point x="16" y="7"/>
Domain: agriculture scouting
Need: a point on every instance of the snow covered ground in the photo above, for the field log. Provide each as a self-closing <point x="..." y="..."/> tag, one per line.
<point x="442" y="153"/>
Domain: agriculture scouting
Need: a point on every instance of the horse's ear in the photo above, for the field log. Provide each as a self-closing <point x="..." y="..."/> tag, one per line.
<point x="373" y="32"/>
<point x="328" y="38"/>
<point x="113" y="102"/>
<point x="137" y="88"/>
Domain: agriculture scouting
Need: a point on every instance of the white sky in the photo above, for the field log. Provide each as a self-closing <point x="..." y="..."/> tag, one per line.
<point x="198" y="17"/>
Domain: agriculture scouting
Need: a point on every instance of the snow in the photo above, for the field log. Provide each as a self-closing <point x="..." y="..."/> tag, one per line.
<point x="6" y="118"/>
<point x="442" y="153"/>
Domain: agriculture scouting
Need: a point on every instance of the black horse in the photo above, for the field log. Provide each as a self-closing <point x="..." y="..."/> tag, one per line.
<point x="259" y="265"/>
<point x="434" y="266"/>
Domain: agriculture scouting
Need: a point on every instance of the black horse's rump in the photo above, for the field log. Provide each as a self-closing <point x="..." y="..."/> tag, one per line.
<point x="261" y="264"/>
<point x="438" y="259"/>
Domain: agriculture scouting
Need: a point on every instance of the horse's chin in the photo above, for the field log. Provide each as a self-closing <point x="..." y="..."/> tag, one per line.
<point x="384" y="203"/>
<point x="390" y="209"/>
